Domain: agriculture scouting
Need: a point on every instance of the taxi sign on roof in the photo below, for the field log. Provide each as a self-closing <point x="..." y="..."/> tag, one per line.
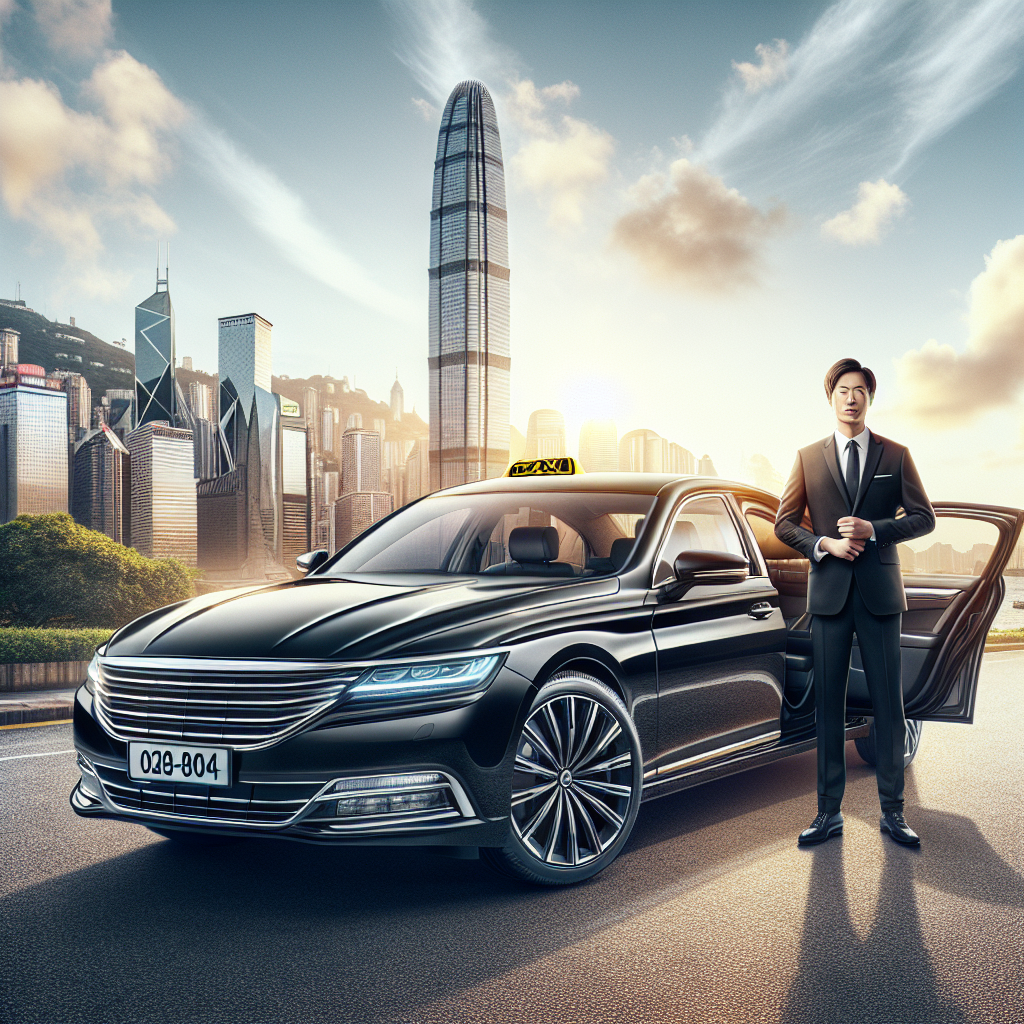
<point x="563" y="466"/>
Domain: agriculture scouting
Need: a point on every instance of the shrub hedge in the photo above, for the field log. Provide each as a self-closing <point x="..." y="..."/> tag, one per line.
<point x="25" y="645"/>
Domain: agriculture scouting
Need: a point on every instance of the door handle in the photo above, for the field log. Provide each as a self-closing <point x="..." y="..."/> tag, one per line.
<point x="761" y="610"/>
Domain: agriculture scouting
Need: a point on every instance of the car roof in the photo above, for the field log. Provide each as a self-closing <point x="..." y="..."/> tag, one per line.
<point x="623" y="483"/>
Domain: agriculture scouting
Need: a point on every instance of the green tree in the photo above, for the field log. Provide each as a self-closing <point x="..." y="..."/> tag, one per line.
<point x="55" y="572"/>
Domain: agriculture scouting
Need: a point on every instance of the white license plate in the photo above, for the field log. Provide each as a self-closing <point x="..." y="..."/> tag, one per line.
<point x="173" y="762"/>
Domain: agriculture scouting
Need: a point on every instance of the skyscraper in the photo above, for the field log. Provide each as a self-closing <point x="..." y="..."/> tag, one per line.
<point x="9" y="347"/>
<point x="469" y="295"/>
<point x="243" y="362"/>
<point x="163" y="492"/>
<point x="154" y="356"/>
<point x="33" y="443"/>
<point x="397" y="401"/>
<point x="101" y="495"/>
<point x="360" y="460"/>
<point x="545" y="435"/>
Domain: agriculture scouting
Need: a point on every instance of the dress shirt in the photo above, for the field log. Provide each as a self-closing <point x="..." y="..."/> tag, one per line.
<point x="862" y="440"/>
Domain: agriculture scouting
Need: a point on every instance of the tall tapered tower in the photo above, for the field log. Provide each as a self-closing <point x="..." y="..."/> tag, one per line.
<point x="469" y="300"/>
<point x="155" y="386"/>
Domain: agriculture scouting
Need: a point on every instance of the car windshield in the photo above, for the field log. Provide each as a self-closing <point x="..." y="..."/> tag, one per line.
<point x="554" y="534"/>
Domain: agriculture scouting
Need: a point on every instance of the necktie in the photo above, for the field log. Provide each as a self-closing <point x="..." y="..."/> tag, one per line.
<point x="852" y="470"/>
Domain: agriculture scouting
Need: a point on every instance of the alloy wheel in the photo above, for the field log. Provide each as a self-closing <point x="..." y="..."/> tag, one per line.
<point x="573" y="781"/>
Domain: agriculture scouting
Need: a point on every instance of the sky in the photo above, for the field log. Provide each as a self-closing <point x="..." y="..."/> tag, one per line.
<point x="709" y="203"/>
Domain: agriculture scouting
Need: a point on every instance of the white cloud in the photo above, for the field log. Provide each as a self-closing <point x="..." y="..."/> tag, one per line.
<point x="561" y="160"/>
<point x="68" y="172"/>
<point x="80" y="28"/>
<point x="444" y="42"/>
<point x="773" y="67"/>
<point x="869" y="86"/>
<point x="695" y="233"/>
<point x="427" y="110"/>
<point x="275" y="210"/>
<point x="945" y="388"/>
<point x="878" y="204"/>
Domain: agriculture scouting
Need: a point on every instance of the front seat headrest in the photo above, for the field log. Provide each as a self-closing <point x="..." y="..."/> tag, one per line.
<point x="533" y="544"/>
<point x="620" y="551"/>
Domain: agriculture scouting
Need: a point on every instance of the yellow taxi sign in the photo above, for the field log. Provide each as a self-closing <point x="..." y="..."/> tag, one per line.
<point x="562" y="466"/>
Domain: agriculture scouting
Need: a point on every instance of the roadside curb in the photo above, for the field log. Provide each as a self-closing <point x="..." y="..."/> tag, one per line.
<point x="1003" y="647"/>
<point x="28" y="709"/>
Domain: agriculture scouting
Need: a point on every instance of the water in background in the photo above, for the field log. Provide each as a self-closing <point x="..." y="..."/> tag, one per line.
<point x="1009" y="617"/>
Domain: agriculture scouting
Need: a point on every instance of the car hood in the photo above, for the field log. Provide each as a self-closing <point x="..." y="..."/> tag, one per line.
<point x="352" y="619"/>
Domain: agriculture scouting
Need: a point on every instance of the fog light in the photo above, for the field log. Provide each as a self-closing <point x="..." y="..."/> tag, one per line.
<point x="395" y="803"/>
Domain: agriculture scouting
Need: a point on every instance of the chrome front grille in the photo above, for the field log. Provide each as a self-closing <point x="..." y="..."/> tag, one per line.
<point x="243" y="704"/>
<point x="243" y="803"/>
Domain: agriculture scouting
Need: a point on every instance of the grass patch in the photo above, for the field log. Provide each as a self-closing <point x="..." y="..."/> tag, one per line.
<point x="25" y="645"/>
<point x="1006" y="636"/>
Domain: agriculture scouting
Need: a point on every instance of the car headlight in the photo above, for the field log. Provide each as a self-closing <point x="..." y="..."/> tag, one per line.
<point x="424" y="680"/>
<point x="92" y="673"/>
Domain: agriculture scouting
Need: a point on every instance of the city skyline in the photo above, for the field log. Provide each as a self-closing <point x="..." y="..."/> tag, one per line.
<point x="891" y="230"/>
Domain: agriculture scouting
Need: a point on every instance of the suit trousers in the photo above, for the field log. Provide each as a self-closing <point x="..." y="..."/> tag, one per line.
<point x="878" y="637"/>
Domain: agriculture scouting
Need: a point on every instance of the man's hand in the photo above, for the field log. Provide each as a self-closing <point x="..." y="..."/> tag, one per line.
<point x="847" y="548"/>
<point x="854" y="528"/>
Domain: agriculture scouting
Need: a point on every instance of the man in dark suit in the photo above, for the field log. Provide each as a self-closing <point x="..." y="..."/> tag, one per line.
<point x="852" y="484"/>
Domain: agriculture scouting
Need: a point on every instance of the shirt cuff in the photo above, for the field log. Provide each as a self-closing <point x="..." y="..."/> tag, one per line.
<point x="873" y="537"/>
<point x="818" y="553"/>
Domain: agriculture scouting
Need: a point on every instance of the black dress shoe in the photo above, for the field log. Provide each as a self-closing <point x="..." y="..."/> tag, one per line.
<point x="896" y="825"/>
<point x="823" y="827"/>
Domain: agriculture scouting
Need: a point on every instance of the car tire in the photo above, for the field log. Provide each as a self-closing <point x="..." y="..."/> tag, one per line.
<point x="576" y="785"/>
<point x="866" y="744"/>
<point x="186" y="838"/>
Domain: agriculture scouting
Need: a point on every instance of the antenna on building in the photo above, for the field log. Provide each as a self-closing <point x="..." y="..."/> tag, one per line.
<point x="167" y="255"/>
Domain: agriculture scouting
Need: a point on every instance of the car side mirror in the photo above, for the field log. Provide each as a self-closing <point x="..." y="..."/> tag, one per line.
<point x="312" y="559"/>
<point x="704" y="567"/>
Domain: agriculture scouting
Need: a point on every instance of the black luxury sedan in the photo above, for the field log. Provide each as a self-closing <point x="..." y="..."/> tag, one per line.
<point x="510" y="666"/>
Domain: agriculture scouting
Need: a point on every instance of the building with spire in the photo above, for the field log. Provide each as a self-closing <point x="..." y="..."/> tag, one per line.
<point x="156" y="393"/>
<point x="397" y="401"/>
<point x="469" y="357"/>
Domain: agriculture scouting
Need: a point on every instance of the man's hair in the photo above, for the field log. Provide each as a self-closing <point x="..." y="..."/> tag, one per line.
<point x="836" y="370"/>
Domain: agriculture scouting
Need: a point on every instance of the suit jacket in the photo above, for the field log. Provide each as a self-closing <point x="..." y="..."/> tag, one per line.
<point x="890" y="481"/>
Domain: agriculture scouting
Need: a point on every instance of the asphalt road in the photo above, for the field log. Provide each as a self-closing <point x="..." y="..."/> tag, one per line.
<point x="711" y="914"/>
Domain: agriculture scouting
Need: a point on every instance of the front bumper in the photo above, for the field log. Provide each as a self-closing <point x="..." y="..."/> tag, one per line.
<point x="286" y="790"/>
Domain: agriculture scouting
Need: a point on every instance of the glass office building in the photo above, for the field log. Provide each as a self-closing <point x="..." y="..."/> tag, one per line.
<point x="33" y="445"/>
<point x="101" y="495"/>
<point x="243" y="362"/>
<point x="163" y="492"/>
<point x="469" y="295"/>
<point x="154" y="358"/>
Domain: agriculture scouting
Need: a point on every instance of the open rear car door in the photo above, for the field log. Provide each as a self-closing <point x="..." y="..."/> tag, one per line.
<point x="954" y="585"/>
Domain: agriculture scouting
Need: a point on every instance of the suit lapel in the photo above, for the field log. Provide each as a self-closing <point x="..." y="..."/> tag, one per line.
<point x="870" y="465"/>
<point x="829" y="454"/>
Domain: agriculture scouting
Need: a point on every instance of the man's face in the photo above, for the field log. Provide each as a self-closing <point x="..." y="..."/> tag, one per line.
<point x="850" y="402"/>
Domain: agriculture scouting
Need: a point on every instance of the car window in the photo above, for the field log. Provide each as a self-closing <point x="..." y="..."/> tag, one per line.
<point x="702" y="524"/>
<point x="469" y="534"/>
<point x="956" y="547"/>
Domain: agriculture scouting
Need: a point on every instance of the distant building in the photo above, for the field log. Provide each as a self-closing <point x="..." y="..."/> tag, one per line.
<point x="761" y="473"/>
<point x="155" y="386"/>
<point x="206" y="464"/>
<point x="599" y="446"/>
<point x="8" y="347"/>
<point x="295" y="476"/>
<point x="120" y="414"/>
<point x="706" y="467"/>
<point x="101" y="495"/>
<point x="643" y="451"/>
<point x="76" y="387"/>
<point x="33" y="443"/>
<point x="469" y="357"/>
<point x="356" y="512"/>
<point x="516" y="444"/>
<point x="327" y="430"/>
<point x="417" y="471"/>
<point x="186" y="362"/>
<point x="545" y="435"/>
<point x="163" y="492"/>
<point x="397" y="401"/>
<point x="200" y="398"/>
<point x="360" y="461"/>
